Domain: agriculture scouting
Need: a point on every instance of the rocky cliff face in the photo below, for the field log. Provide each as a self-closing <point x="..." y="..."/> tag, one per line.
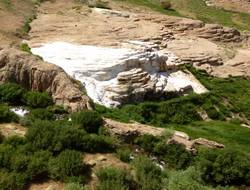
<point x="34" y="74"/>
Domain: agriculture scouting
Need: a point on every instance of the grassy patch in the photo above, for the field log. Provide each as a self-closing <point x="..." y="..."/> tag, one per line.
<point x="197" y="9"/>
<point x="233" y="136"/>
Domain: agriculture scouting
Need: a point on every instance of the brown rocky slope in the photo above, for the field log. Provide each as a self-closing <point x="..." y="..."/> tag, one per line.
<point x="34" y="74"/>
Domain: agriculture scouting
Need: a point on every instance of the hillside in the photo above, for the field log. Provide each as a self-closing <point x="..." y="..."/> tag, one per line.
<point x="124" y="95"/>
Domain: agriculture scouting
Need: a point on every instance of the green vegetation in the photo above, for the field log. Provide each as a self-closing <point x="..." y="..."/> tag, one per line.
<point x="226" y="168"/>
<point x="197" y="9"/>
<point x="11" y="93"/>
<point x="88" y="120"/>
<point x="7" y="4"/>
<point x="6" y="115"/>
<point x="25" y="47"/>
<point x="54" y="145"/>
<point x="67" y="164"/>
<point x="148" y="175"/>
<point x="38" y="99"/>
<point x="112" y="178"/>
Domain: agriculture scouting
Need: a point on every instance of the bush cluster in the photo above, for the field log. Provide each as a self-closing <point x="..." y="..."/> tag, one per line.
<point x="148" y="175"/>
<point x="53" y="136"/>
<point x="113" y="178"/>
<point x="182" y="110"/>
<point x="90" y="121"/>
<point x="6" y="115"/>
<point x="14" y="94"/>
<point x="175" y="155"/>
<point x="225" y="168"/>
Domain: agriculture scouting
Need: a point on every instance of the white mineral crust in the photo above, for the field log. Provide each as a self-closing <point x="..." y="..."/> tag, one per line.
<point x="108" y="73"/>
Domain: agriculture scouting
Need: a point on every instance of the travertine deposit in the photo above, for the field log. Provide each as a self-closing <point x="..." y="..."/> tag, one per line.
<point x="114" y="76"/>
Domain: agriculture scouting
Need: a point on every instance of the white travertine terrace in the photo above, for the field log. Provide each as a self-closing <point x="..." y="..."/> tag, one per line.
<point x="111" y="75"/>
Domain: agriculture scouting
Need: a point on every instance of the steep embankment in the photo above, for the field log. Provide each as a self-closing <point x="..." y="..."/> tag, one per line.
<point x="34" y="74"/>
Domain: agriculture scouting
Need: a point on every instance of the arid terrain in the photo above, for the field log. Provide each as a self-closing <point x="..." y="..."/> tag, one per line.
<point x="124" y="95"/>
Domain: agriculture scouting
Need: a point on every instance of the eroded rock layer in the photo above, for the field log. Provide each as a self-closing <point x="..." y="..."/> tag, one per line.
<point x="34" y="74"/>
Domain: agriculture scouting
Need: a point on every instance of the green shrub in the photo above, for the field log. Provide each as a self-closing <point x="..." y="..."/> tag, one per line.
<point x="7" y="116"/>
<point x="189" y="179"/>
<point x="38" y="165"/>
<point x="74" y="186"/>
<point x="12" y="181"/>
<point x="19" y="162"/>
<point x="1" y="137"/>
<point x="124" y="154"/>
<point x="90" y="121"/>
<point x="175" y="155"/>
<point x="15" y="141"/>
<point x="38" y="99"/>
<point x="147" y="142"/>
<point x="67" y="164"/>
<point x="6" y="153"/>
<point x="11" y="93"/>
<point x="148" y="175"/>
<point x="25" y="47"/>
<point x="69" y="137"/>
<point x="95" y="143"/>
<point x="113" y="178"/>
<point x="40" y="135"/>
<point x="40" y="114"/>
<point x="225" y="168"/>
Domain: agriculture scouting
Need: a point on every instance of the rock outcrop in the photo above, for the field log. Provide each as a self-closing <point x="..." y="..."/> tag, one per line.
<point x="182" y="138"/>
<point x="129" y="131"/>
<point x="34" y="74"/>
<point x="219" y="33"/>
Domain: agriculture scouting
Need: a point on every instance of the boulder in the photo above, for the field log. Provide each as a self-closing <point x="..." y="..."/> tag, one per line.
<point x="34" y="74"/>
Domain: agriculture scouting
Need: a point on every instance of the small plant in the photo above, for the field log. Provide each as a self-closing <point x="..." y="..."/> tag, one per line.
<point x="90" y="121"/>
<point x="74" y="186"/>
<point x="11" y="93"/>
<point x="67" y="164"/>
<point x="113" y="178"/>
<point x="25" y="47"/>
<point x="38" y="99"/>
<point x="7" y="116"/>
<point x="124" y="154"/>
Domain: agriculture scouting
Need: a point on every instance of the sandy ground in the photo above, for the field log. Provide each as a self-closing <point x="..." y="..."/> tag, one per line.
<point x="12" y="18"/>
<point x="67" y="21"/>
<point x="11" y="129"/>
